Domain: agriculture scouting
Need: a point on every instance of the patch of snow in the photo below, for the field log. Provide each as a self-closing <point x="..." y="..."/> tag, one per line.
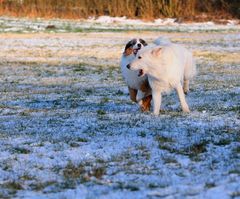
<point x="110" y="23"/>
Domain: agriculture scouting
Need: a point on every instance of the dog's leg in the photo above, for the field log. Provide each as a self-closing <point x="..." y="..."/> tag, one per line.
<point x="133" y="94"/>
<point x="157" y="98"/>
<point x="140" y="95"/>
<point x="182" y="99"/>
<point x="145" y="87"/>
<point x="186" y="86"/>
<point x="146" y="103"/>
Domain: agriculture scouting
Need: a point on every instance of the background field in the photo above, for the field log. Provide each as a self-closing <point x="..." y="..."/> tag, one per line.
<point x="69" y="130"/>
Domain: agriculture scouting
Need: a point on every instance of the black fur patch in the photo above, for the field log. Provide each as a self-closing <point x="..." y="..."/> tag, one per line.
<point x="143" y="42"/>
<point x="130" y="44"/>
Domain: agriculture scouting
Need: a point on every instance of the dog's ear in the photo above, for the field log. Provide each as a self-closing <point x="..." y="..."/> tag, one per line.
<point x="131" y="43"/>
<point x="143" y="42"/>
<point x="128" y="48"/>
<point x="156" y="51"/>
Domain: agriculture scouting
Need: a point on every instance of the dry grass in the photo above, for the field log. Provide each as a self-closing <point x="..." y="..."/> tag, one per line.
<point x="184" y="9"/>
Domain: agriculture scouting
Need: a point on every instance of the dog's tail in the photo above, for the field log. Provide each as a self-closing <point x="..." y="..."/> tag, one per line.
<point x="162" y="41"/>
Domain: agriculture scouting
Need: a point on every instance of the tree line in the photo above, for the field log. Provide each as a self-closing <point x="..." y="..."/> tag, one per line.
<point x="143" y="9"/>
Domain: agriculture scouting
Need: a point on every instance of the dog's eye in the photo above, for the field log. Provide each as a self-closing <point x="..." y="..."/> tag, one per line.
<point x="139" y="57"/>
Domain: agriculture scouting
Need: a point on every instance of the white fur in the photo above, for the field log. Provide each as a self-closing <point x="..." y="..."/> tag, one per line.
<point x="167" y="67"/>
<point x="131" y="77"/>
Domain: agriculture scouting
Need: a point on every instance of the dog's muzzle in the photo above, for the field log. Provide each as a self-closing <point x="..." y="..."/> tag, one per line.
<point x="128" y="66"/>
<point x="135" y="51"/>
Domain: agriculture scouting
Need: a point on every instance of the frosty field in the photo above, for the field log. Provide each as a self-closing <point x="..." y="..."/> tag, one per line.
<point x="69" y="130"/>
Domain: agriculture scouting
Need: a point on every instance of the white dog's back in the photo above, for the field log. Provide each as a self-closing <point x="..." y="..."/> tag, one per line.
<point x="185" y="56"/>
<point x="182" y="53"/>
<point x="175" y="63"/>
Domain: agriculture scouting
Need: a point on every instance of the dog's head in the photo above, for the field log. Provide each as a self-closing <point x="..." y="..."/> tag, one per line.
<point x="145" y="61"/>
<point x="133" y="46"/>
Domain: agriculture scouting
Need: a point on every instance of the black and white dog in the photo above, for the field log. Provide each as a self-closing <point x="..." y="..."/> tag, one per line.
<point x="138" y="86"/>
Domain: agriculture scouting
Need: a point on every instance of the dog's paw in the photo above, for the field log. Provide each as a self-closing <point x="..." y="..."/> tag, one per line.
<point x="155" y="113"/>
<point x="144" y="108"/>
<point x="186" y="91"/>
<point x="186" y="110"/>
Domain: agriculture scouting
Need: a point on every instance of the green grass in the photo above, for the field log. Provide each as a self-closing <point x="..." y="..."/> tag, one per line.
<point x="235" y="194"/>
<point x="236" y="150"/>
<point x="84" y="172"/>
<point x="101" y="112"/>
<point x="21" y="150"/>
<point x="163" y="139"/>
<point x="142" y="134"/>
<point x="79" y="139"/>
<point x="169" y="160"/>
<point x="38" y="186"/>
<point x="14" y="185"/>
<point x="223" y="142"/>
<point x="72" y="171"/>
<point x="192" y="151"/>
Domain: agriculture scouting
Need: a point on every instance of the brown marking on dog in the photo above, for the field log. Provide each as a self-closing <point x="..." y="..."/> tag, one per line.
<point x="131" y="43"/>
<point x="145" y="87"/>
<point x="133" y="94"/>
<point x="146" y="103"/>
<point x="128" y="51"/>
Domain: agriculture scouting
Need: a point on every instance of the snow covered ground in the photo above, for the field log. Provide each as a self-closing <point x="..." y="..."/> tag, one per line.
<point x="69" y="130"/>
<point x="111" y="24"/>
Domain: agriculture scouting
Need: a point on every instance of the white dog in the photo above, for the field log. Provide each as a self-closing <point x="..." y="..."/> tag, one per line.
<point x="138" y="85"/>
<point x="167" y="67"/>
